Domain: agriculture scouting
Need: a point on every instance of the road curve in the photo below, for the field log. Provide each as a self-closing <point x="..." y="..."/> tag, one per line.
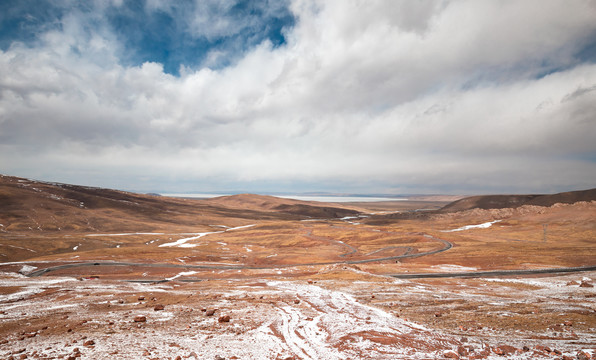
<point x="40" y="272"/>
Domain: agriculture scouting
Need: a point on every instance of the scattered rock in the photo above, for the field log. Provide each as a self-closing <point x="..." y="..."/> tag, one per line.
<point x="89" y="343"/>
<point x="296" y="301"/>
<point x="158" y="307"/>
<point x="217" y="357"/>
<point x="210" y="312"/>
<point x="438" y="314"/>
<point x="581" y="355"/>
<point x="140" y="318"/>
<point x="505" y="350"/>
<point x="543" y="348"/>
<point x="568" y="323"/>
<point x="224" y="318"/>
<point x="450" y="354"/>
<point x="462" y="351"/>
<point x="141" y="298"/>
<point x="586" y="284"/>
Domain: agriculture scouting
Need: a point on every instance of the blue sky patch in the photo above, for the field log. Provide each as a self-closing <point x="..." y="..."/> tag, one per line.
<point x="168" y="34"/>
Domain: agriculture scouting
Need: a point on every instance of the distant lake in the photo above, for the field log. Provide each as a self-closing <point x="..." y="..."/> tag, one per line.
<point x="321" y="198"/>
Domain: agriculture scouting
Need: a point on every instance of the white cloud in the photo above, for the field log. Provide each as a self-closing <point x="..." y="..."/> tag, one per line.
<point x="419" y="96"/>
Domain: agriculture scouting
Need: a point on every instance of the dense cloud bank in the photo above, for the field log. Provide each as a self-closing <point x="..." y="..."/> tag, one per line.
<point x="375" y="96"/>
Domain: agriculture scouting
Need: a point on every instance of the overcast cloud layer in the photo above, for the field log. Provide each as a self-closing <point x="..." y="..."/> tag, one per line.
<point x="343" y="96"/>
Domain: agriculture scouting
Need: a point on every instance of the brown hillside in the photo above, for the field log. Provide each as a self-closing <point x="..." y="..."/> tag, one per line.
<point x="309" y="209"/>
<point x="51" y="218"/>
<point x="33" y="205"/>
<point x="514" y="201"/>
<point x="29" y="205"/>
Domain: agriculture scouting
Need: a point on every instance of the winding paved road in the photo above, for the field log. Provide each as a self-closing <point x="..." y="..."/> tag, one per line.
<point x="465" y="274"/>
<point x="446" y="246"/>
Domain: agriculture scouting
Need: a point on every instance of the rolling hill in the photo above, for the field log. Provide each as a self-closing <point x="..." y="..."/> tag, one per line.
<point x="514" y="201"/>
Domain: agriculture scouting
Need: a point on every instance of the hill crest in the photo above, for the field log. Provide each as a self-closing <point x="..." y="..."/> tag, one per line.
<point x="514" y="201"/>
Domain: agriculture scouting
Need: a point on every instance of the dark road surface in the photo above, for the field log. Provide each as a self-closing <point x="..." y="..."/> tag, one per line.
<point x="495" y="273"/>
<point x="446" y="246"/>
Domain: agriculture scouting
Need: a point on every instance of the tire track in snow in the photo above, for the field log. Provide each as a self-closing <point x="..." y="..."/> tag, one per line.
<point x="342" y="326"/>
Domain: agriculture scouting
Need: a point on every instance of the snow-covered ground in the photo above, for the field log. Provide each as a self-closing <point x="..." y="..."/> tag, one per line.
<point x="281" y="319"/>
<point x="49" y="317"/>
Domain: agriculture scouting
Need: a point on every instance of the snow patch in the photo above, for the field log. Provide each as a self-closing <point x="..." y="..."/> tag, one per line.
<point x="184" y="273"/>
<point x="479" y="226"/>
<point x="27" y="269"/>
<point x="453" y="268"/>
<point x="182" y="242"/>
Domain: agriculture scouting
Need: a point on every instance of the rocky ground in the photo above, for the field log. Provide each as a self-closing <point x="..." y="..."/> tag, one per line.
<point x="321" y="317"/>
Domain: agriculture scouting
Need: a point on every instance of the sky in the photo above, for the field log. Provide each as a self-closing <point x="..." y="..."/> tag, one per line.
<point x="340" y="96"/>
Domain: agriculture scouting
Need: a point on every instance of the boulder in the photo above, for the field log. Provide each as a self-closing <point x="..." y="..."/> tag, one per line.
<point x="89" y="343"/>
<point x="543" y="348"/>
<point x="581" y="355"/>
<point x="505" y="350"/>
<point x="462" y="351"/>
<point x="449" y="354"/>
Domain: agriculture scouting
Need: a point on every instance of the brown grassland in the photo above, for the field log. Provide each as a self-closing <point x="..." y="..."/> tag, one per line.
<point x="300" y="279"/>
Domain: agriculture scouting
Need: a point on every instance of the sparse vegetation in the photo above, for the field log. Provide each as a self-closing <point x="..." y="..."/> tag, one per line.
<point x="288" y="279"/>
